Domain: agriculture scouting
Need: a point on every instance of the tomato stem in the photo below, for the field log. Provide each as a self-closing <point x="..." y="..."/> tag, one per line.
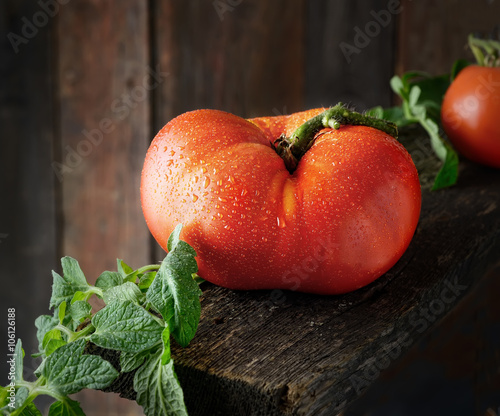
<point x="292" y="148"/>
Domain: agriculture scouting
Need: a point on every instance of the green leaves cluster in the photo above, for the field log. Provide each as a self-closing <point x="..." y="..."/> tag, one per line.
<point x="421" y="95"/>
<point x="144" y="307"/>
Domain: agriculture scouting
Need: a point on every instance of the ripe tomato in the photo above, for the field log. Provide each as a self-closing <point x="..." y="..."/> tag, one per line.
<point x="470" y="111"/>
<point x="341" y="220"/>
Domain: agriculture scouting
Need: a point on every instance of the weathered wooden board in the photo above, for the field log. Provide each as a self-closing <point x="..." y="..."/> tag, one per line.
<point x="28" y="209"/>
<point x="349" y="53"/>
<point x="433" y="34"/>
<point x="452" y="370"/>
<point x="105" y="81"/>
<point x="278" y="353"/>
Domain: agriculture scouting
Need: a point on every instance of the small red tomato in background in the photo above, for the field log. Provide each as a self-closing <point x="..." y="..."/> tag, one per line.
<point x="342" y="218"/>
<point x="470" y="112"/>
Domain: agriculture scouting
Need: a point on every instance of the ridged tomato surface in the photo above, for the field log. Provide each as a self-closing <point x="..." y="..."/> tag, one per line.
<point x="338" y="222"/>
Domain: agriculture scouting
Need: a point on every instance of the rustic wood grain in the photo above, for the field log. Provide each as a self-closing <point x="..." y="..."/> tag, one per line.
<point x="287" y="353"/>
<point x="453" y="369"/>
<point x="344" y="65"/>
<point x="105" y="82"/>
<point x="27" y="211"/>
<point x="245" y="57"/>
<point x="433" y="34"/>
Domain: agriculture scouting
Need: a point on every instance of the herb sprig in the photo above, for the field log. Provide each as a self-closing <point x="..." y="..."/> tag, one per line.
<point x="144" y="307"/>
<point x="421" y="97"/>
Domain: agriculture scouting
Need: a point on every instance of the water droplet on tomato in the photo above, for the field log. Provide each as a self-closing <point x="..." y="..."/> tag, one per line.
<point x="204" y="169"/>
<point x="281" y="222"/>
<point x="194" y="197"/>
<point x="206" y="182"/>
<point x="170" y="162"/>
<point x="231" y="179"/>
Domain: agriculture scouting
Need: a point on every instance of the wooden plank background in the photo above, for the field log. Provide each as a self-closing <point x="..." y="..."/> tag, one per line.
<point x="87" y="83"/>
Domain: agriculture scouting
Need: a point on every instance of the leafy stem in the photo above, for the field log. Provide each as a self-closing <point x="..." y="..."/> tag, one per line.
<point x="486" y="51"/>
<point x="147" y="268"/>
<point x="144" y="308"/>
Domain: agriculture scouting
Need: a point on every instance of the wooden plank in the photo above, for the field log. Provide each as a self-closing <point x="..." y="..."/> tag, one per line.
<point x="350" y="52"/>
<point x="28" y="223"/>
<point x="278" y="353"/>
<point x="105" y="82"/>
<point x="452" y="370"/>
<point x="245" y="57"/>
<point x="433" y="34"/>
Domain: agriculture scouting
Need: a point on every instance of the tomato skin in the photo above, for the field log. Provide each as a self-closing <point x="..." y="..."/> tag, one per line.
<point x="470" y="113"/>
<point x="341" y="220"/>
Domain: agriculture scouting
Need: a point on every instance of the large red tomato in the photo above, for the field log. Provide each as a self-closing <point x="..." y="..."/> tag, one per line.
<point x="470" y="114"/>
<point x="338" y="222"/>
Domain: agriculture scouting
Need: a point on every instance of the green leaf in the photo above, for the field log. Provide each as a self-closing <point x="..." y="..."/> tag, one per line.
<point x="123" y="268"/>
<point x="4" y="396"/>
<point x="62" y="312"/>
<point x="81" y="310"/>
<point x="108" y="280"/>
<point x="125" y="327"/>
<point x="129" y="361"/>
<point x="414" y="96"/>
<point x="394" y="114"/>
<point x="22" y="394"/>
<point x="158" y="389"/>
<point x="72" y="271"/>
<point x="397" y="85"/>
<point x="146" y="279"/>
<point x="30" y="410"/>
<point x="79" y="295"/>
<point x="52" y="340"/>
<point x="18" y="361"/>
<point x="174" y="293"/>
<point x="165" y="337"/>
<point x="66" y="407"/>
<point x="68" y="371"/>
<point x="64" y="287"/>
<point x="448" y="174"/>
<point x="126" y="291"/>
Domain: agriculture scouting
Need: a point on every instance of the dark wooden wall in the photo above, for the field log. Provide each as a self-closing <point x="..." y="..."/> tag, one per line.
<point x="86" y="84"/>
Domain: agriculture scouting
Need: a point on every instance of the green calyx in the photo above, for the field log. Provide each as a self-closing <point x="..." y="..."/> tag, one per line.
<point x="486" y="51"/>
<point x="291" y="149"/>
